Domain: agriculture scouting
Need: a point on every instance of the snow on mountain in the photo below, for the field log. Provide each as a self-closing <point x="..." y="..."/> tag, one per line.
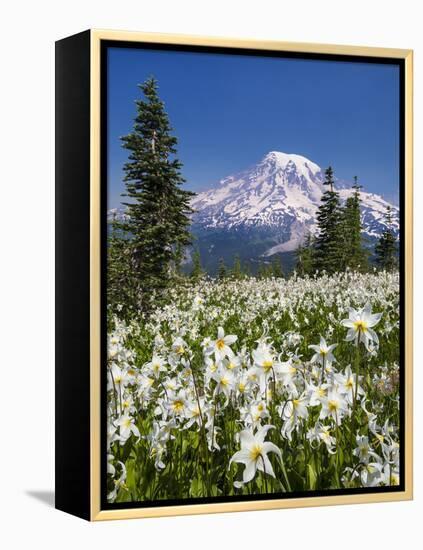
<point x="280" y="194"/>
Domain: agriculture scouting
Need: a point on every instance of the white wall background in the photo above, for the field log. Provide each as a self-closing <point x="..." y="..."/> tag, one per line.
<point x="28" y="31"/>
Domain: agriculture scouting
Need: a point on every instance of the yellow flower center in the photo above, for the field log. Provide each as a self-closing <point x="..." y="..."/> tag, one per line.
<point x="224" y="381"/>
<point x="295" y="402"/>
<point x="267" y="365"/>
<point x="349" y="384"/>
<point x="180" y="350"/>
<point x="241" y="387"/>
<point x="231" y="366"/>
<point x="220" y="344"/>
<point x="178" y="405"/>
<point x="255" y="452"/>
<point x="333" y="405"/>
<point x="360" y="325"/>
<point x="260" y="407"/>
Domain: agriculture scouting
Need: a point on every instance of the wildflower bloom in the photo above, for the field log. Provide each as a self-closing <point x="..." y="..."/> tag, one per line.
<point x="319" y="433"/>
<point x="360" y="323"/>
<point x="334" y="406"/>
<point x="371" y="473"/>
<point x="224" y="381"/>
<point x="195" y="388"/>
<point x="220" y="347"/>
<point x="363" y="450"/>
<point x="126" y="426"/>
<point x="323" y="353"/>
<point x="156" y="365"/>
<point x="177" y="402"/>
<point x="265" y="364"/>
<point x="119" y="483"/>
<point x="291" y="412"/>
<point x="253" y="454"/>
<point x="179" y="346"/>
<point x="347" y="384"/>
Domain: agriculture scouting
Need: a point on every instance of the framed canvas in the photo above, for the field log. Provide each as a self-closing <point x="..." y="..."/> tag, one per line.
<point x="233" y="275"/>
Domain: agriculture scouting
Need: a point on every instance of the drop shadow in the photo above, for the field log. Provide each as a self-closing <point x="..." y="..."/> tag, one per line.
<point x="46" y="497"/>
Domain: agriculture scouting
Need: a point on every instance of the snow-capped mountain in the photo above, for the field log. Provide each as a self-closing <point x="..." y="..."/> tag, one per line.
<point x="278" y="199"/>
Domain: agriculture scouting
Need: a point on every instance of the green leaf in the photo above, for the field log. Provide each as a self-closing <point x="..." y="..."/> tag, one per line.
<point x="311" y="477"/>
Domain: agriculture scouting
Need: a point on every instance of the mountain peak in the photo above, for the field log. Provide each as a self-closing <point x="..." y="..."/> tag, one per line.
<point x="278" y="197"/>
<point x="282" y="160"/>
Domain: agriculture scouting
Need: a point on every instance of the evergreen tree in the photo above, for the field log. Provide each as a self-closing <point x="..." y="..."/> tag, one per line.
<point x="158" y="208"/>
<point x="329" y="245"/>
<point x="277" y="270"/>
<point x="354" y="255"/>
<point x="236" y="268"/>
<point x="265" y="270"/>
<point x="221" y="270"/>
<point x="247" y="269"/>
<point x="197" y="271"/>
<point x="386" y="248"/>
<point x="305" y="257"/>
<point x="261" y="271"/>
<point x="120" y="274"/>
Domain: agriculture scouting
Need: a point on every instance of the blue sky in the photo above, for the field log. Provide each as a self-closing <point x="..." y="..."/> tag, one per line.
<point x="228" y="111"/>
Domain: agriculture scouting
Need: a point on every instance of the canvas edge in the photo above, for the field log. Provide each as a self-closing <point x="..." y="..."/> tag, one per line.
<point x="97" y="514"/>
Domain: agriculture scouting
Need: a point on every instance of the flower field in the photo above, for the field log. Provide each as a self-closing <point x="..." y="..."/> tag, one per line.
<point x="242" y="387"/>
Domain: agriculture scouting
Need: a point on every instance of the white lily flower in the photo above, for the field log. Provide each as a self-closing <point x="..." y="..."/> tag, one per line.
<point x="363" y="450"/>
<point x="371" y="474"/>
<point x="292" y="412"/>
<point x="335" y="406"/>
<point x="347" y="385"/>
<point x="156" y="365"/>
<point x="224" y="381"/>
<point x="321" y="432"/>
<point x="360" y="323"/>
<point x="221" y="347"/>
<point x="253" y="454"/>
<point x="323" y="354"/>
<point x="127" y="427"/>
<point x="177" y="402"/>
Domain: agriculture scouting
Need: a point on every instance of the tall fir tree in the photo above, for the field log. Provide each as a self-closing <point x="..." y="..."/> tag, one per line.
<point x="221" y="269"/>
<point x="277" y="270"/>
<point x="247" y="269"/>
<point x="197" y="270"/>
<point x="328" y="244"/>
<point x="261" y="271"/>
<point x="305" y="257"/>
<point x="236" y="271"/>
<point x="354" y="254"/>
<point x="265" y="270"/>
<point x="121" y="283"/>
<point x="158" y="208"/>
<point x="386" y="248"/>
